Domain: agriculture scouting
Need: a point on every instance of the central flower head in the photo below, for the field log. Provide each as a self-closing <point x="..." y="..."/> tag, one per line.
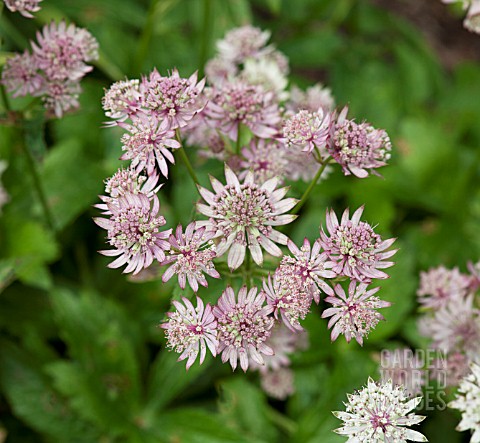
<point x="243" y="215"/>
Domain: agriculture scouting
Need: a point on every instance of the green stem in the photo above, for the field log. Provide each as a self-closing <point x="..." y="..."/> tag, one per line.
<point x="206" y="34"/>
<point x="282" y="421"/>
<point x="306" y="194"/>
<point x="6" y="102"/>
<point x="38" y="185"/>
<point x="185" y="159"/>
<point x="239" y="141"/>
<point x="248" y="266"/>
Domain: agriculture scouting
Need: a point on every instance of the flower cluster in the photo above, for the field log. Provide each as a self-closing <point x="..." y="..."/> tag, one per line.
<point x="451" y="318"/>
<point x="380" y="412"/>
<point x="244" y="117"/>
<point x="468" y="403"/>
<point x="24" y="7"/>
<point x="53" y="70"/>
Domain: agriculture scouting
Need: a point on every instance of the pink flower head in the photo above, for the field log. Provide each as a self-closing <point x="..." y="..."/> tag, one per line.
<point x="191" y="255"/>
<point x="122" y="100"/>
<point x="219" y="70"/>
<point x="358" y="147"/>
<point x="173" y="98"/>
<point x="265" y="158"/>
<point x="191" y="330"/>
<point x="356" y="315"/>
<point x="303" y="166"/>
<point x="60" y="96"/>
<point x="439" y="285"/>
<point x="456" y="326"/>
<point x="244" y="42"/>
<point x="133" y="231"/>
<point x="20" y="75"/>
<point x="354" y="246"/>
<point x="312" y="99"/>
<point x="308" y="130"/>
<point x="243" y="215"/>
<point x="310" y="265"/>
<point x="235" y="103"/>
<point x="288" y="298"/>
<point x="474" y="277"/>
<point x="243" y="327"/>
<point x="148" y="143"/>
<point x="25" y="7"/>
<point x="278" y="383"/>
<point x="62" y="51"/>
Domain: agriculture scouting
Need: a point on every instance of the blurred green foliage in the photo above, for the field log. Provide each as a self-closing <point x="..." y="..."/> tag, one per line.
<point x="81" y="358"/>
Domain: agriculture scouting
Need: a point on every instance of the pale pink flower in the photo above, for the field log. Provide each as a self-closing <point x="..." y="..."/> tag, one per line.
<point x="310" y="265"/>
<point x="173" y="98"/>
<point x="243" y="216"/>
<point x="191" y="330"/>
<point x="61" y="96"/>
<point x="25" y="7"/>
<point x="303" y="166"/>
<point x="380" y="413"/>
<point x="122" y="100"/>
<point x="288" y="299"/>
<point x="266" y="73"/>
<point x="241" y="43"/>
<point x="308" y="130"/>
<point x="62" y="51"/>
<point x="243" y="327"/>
<point x="358" y="252"/>
<point x="456" y="326"/>
<point x="354" y="315"/>
<point x="449" y="369"/>
<point x="190" y="256"/>
<point x="219" y="70"/>
<point x="236" y="103"/>
<point x="278" y="383"/>
<point x="148" y="143"/>
<point x="439" y="285"/>
<point x="200" y="135"/>
<point x="133" y="231"/>
<point x="358" y="147"/>
<point x="314" y="98"/>
<point x="266" y="159"/>
<point x="20" y="75"/>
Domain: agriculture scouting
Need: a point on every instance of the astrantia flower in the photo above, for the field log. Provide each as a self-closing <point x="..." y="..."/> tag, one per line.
<point x="122" y="100"/>
<point x="310" y="264"/>
<point x="307" y="130"/>
<point x="456" y="326"/>
<point x="243" y="327"/>
<point x="314" y="98"/>
<point x="354" y="315"/>
<point x="219" y="70"/>
<point x="439" y="285"/>
<point x="191" y="330"/>
<point x="448" y="370"/>
<point x="266" y="73"/>
<point x="148" y="143"/>
<point x="265" y="158"/>
<point x="288" y="298"/>
<point x="380" y="412"/>
<point x="60" y="97"/>
<point x="468" y="402"/>
<point x="20" y="75"/>
<point x="303" y="166"/>
<point x="133" y="231"/>
<point x="243" y="215"/>
<point x="235" y="103"/>
<point x="199" y="134"/>
<point x="173" y="98"/>
<point x="62" y="51"/>
<point x="243" y="42"/>
<point x="190" y="257"/>
<point x="25" y="7"/>
<point x="354" y="246"/>
<point x="359" y="147"/>
<point x="278" y="383"/>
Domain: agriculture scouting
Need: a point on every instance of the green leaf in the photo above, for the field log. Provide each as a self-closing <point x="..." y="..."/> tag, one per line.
<point x="245" y="408"/>
<point x="36" y="402"/>
<point x="71" y="181"/>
